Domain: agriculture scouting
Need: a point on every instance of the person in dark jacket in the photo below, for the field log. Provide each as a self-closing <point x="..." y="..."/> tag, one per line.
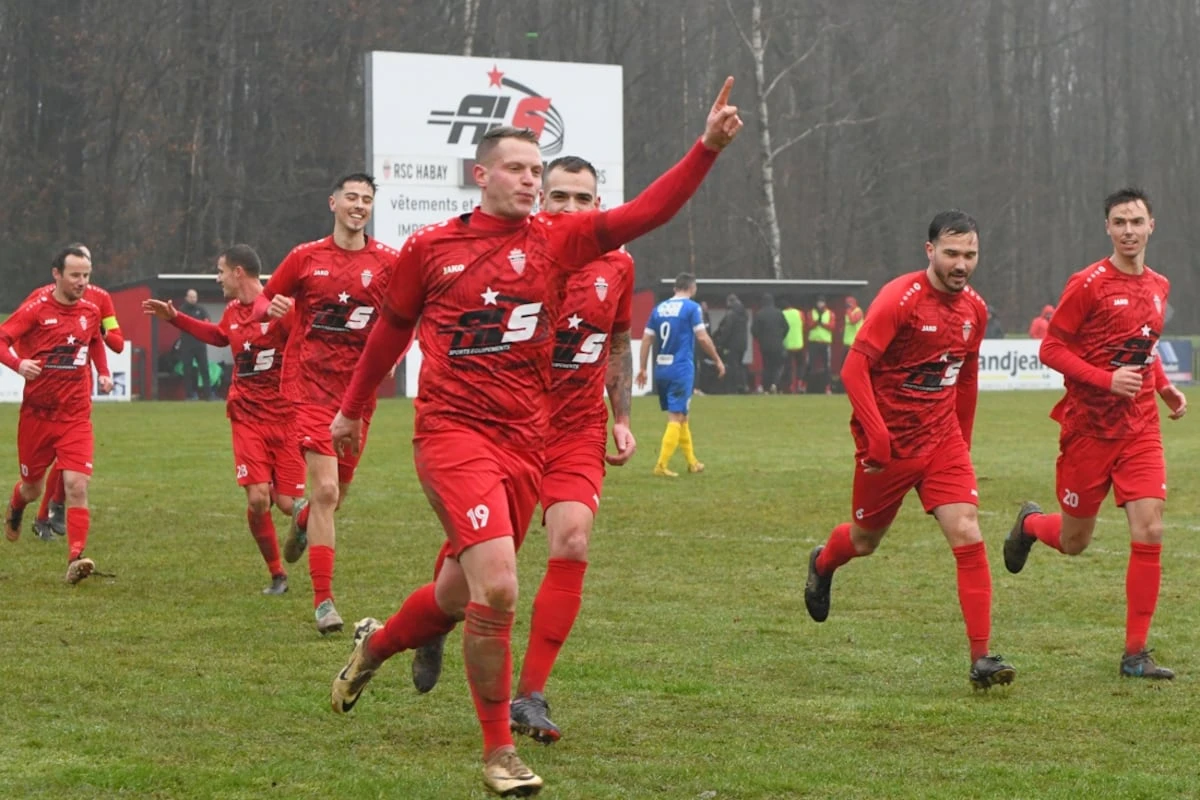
<point x="770" y="328"/>
<point x="195" y="352"/>
<point x="994" y="329"/>
<point x="732" y="338"/>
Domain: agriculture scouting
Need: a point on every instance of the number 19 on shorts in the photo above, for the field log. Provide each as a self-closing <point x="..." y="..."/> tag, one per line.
<point x="478" y="516"/>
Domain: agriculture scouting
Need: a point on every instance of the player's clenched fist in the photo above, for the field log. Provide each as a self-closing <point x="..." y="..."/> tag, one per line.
<point x="279" y="306"/>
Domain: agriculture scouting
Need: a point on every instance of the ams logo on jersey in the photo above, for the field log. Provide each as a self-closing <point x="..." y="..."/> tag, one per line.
<point x="578" y="344"/>
<point x="495" y="328"/>
<point x="343" y="315"/>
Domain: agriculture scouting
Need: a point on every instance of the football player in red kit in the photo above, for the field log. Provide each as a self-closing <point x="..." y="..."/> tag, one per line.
<point x="55" y="337"/>
<point x="337" y="285"/>
<point x="264" y="442"/>
<point x="912" y="380"/>
<point x="51" y="519"/>
<point x="591" y="355"/>
<point x="1103" y="338"/>
<point x="485" y="289"/>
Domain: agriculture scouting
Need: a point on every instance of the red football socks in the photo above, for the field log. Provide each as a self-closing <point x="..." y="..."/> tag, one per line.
<point x="975" y="595"/>
<point x="837" y="551"/>
<point x="56" y="490"/>
<point x="487" y="652"/>
<point x="44" y="506"/>
<point x="302" y="518"/>
<point x="1141" y="593"/>
<point x="419" y="621"/>
<point x="555" y="608"/>
<point x="1046" y="527"/>
<point x="17" y="501"/>
<point x="78" y="520"/>
<point x="320" y="569"/>
<point x="262" y="528"/>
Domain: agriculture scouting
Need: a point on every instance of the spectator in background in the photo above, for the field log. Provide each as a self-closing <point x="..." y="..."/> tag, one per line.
<point x="994" y="329"/>
<point x="820" y="343"/>
<point x="731" y="338"/>
<point x="769" y="329"/>
<point x="1041" y="323"/>
<point x="850" y="325"/>
<point x="793" y="343"/>
<point x="193" y="352"/>
<point x="707" y="381"/>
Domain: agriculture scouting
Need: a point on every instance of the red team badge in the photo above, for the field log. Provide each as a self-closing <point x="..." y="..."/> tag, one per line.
<point x="967" y="331"/>
<point x="366" y="278"/>
<point x="601" y="288"/>
<point x="516" y="257"/>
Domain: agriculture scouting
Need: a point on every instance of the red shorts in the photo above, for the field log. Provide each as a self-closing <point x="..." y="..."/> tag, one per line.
<point x="942" y="477"/>
<point x="1087" y="466"/>
<point x="479" y="490"/>
<point x="312" y="432"/>
<point x="574" y="468"/>
<point x="40" y="442"/>
<point x="265" y="453"/>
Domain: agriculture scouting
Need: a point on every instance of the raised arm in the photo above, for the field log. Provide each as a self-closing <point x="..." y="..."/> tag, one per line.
<point x="206" y="332"/>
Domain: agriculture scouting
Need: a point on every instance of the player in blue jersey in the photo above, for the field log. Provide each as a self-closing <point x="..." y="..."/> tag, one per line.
<point x="676" y="325"/>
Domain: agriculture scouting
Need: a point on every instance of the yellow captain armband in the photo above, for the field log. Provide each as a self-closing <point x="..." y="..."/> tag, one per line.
<point x="108" y="323"/>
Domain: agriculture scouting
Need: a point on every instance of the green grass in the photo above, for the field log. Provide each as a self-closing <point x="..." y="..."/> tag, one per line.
<point x="693" y="671"/>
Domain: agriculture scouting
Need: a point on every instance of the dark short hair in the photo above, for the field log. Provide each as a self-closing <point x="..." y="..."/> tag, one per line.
<point x="60" y="258"/>
<point x="952" y="222"/>
<point x="493" y="137"/>
<point x="356" y="177"/>
<point x="571" y="164"/>
<point x="244" y="256"/>
<point x="1129" y="194"/>
<point x="684" y="280"/>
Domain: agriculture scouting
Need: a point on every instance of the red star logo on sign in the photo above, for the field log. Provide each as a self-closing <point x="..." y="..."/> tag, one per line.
<point x="494" y="76"/>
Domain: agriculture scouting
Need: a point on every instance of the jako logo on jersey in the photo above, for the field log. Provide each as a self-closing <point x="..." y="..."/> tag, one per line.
<point x="453" y="269"/>
<point x="601" y="288"/>
<point x="929" y="329"/>
<point x="50" y="321"/>
<point x="320" y="273"/>
<point x="1121" y="301"/>
<point x="516" y="257"/>
<point x="967" y="330"/>
<point x="366" y="277"/>
<point x="482" y="112"/>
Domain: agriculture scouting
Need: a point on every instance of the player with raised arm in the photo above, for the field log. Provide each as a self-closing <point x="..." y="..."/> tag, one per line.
<point x="912" y="380"/>
<point x="592" y="355"/>
<point x="337" y="286"/>
<point x="676" y="324"/>
<point x="54" y="337"/>
<point x="265" y="452"/>
<point x="51" y="519"/>
<point x="1103" y="338"/>
<point x="485" y="288"/>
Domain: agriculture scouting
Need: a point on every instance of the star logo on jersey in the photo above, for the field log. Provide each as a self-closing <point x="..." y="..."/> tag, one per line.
<point x="70" y="340"/>
<point x="366" y="277"/>
<point x="967" y="328"/>
<point x="489" y="297"/>
<point x="344" y="297"/>
<point x="601" y="288"/>
<point x="516" y="257"/>
<point x="245" y="346"/>
<point x="1145" y="330"/>
<point x="573" y="321"/>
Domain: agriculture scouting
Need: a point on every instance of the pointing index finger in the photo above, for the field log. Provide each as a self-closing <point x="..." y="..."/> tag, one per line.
<point x="723" y="95"/>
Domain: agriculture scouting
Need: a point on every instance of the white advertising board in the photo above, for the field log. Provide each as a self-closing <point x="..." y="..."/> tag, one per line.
<point x="1006" y="364"/>
<point x="12" y="385"/>
<point x="426" y="113"/>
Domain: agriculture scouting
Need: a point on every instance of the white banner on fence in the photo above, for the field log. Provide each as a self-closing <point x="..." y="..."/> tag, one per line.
<point x="412" y="369"/>
<point x="12" y="385"/>
<point x="426" y="113"/>
<point x="1006" y="364"/>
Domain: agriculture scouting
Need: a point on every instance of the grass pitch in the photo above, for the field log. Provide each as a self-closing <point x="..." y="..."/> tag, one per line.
<point x="693" y="671"/>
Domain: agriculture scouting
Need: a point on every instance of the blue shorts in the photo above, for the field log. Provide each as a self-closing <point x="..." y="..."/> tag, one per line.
<point x="675" y="394"/>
